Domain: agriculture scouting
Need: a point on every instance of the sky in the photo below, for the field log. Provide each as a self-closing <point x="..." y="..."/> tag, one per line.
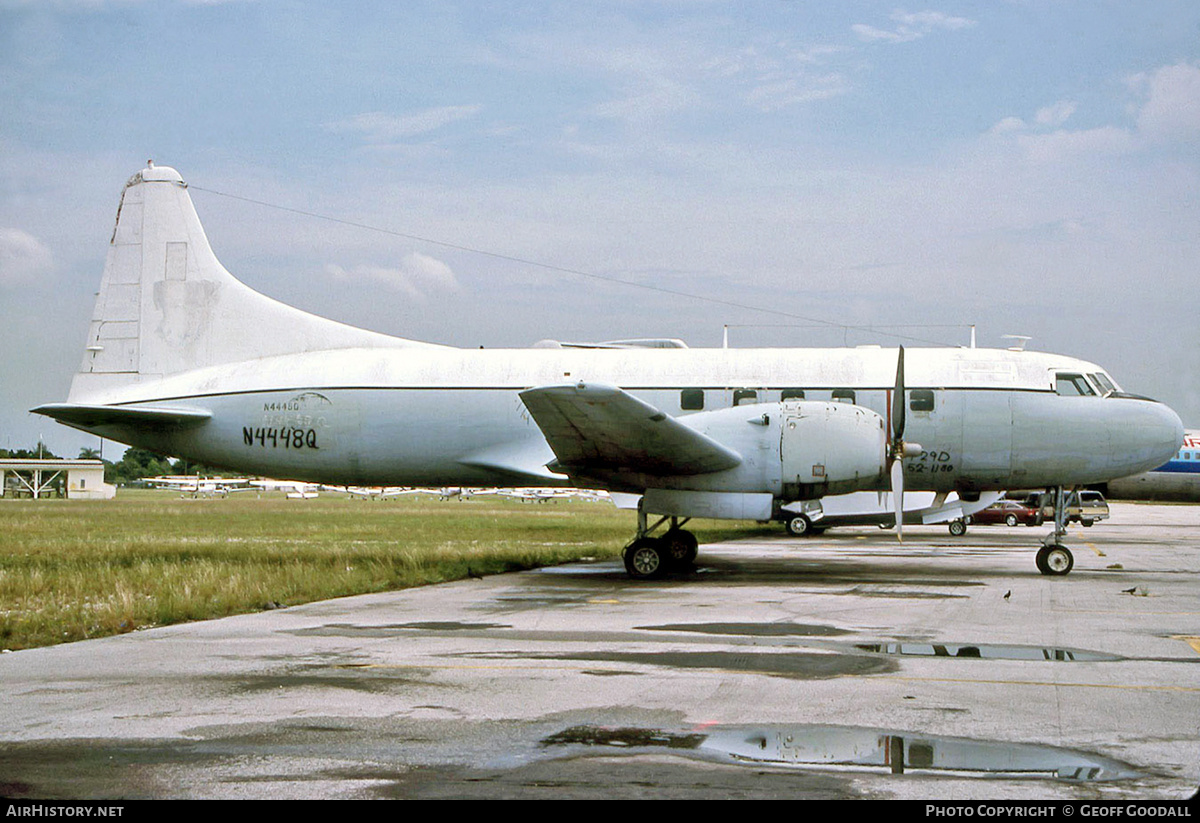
<point x="809" y="174"/>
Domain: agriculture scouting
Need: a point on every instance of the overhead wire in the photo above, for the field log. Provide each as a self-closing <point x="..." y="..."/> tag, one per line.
<point x="820" y="322"/>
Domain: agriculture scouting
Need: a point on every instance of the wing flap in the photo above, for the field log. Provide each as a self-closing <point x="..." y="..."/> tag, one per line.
<point x="525" y="461"/>
<point x="594" y="426"/>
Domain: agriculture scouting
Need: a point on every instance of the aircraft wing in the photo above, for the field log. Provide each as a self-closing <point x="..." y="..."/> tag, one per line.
<point x="594" y="426"/>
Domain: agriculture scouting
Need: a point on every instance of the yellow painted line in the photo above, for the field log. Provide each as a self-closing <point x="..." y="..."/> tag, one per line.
<point x="1123" y="686"/>
<point x="605" y="602"/>
<point x="1194" y="642"/>
<point x="1094" y="548"/>
<point x="1121" y="611"/>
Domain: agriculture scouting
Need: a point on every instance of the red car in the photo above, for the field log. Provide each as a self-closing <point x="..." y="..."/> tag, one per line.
<point x="1009" y="512"/>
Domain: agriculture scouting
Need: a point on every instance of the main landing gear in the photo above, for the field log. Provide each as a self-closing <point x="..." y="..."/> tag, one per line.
<point x="1053" y="558"/>
<point x="652" y="557"/>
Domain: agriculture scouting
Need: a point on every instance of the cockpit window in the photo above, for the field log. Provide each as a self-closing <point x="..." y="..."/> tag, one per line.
<point x="1105" y="385"/>
<point x="1073" y="385"/>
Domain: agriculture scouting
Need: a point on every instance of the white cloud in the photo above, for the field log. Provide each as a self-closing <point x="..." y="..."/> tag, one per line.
<point x="773" y="94"/>
<point x="911" y="26"/>
<point x="1172" y="107"/>
<point x="419" y="276"/>
<point x="1064" y="145"/>
<point x="929" y="20"/>
<point x="870" y="33"/>
<point x="379" y="127"/>
<point x="655" y="97"/>
<point x="23" y="258"/>
<point x="1169" y="112"/>
<point x="1008" y="124"/>
<point x="1055" y="114"/>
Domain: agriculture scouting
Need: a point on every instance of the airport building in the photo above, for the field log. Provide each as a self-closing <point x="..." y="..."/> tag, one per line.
<point x="73" y="479"/>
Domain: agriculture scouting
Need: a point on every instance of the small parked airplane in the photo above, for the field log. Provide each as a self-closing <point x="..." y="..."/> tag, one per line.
<point x="198" y="486"/>
<point x="184" y="359"/>
<point x="374" y="492"/>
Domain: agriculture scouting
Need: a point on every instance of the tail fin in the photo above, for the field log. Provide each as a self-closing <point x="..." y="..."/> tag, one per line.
<point x="167" y="305"/>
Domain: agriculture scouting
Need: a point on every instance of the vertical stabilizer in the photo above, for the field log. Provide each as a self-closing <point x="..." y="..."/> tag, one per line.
<point x="167" y="305"/>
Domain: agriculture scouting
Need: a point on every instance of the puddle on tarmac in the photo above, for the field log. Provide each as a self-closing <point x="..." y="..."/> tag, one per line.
<point x="750" y="629"/>
<point x="798" y="666"/>
<point x="986" y="651"/>
<point x="849" y="748"/>
<point x="391" y="629"/>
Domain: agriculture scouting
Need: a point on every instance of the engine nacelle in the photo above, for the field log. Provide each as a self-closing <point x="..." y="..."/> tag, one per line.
<point x="831" y="448"/>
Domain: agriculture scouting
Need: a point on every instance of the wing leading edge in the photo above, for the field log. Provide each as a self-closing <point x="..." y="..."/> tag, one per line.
<point x="597" y="427"/>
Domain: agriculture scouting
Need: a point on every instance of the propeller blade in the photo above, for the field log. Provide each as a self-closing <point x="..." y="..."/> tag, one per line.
<point x="898" y="496"/>
<point x="898" y="401"/>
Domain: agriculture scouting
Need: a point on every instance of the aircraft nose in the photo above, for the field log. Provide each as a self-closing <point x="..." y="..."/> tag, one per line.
<point x="1147" y="435"/>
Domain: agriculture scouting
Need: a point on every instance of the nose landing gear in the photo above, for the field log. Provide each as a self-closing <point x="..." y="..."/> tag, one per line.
<point x="1053" y="558"/>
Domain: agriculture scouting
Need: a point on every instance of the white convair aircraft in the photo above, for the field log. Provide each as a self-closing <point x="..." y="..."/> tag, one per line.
<point x="185" y="360"/>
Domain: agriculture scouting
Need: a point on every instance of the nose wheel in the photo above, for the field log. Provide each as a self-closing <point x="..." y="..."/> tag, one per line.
<point x="1055" y="560"/>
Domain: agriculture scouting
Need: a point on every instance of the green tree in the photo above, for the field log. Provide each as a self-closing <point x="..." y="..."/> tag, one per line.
<point x="138" y="463"/>
<point x="38" y="452"/>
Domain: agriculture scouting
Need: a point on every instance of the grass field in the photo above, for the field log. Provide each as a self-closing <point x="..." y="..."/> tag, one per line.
<point x="71" y="570"/>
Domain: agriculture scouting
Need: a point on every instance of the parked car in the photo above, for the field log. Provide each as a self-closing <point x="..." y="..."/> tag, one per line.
<point x="1086" y="507"/>
<point x="1009" y="512"/>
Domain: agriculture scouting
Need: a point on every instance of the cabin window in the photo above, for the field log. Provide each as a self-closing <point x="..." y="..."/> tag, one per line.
<point x="742" y="397"/>
<point x="792" y="394"/>
<point x="843" y="395"/>
<point x="1073" y="385"/>
<point x="920" y="400"/>
<point x="691" y="399"/>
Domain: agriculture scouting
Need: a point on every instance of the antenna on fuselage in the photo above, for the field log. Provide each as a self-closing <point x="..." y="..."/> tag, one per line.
<point x="1019" y="341"/>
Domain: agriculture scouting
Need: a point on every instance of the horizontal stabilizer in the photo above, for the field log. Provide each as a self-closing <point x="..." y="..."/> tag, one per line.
<point x="602" y="427"/>
<point x="91" y="417"/>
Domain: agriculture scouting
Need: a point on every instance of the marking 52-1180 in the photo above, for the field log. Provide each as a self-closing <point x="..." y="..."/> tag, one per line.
<point x="280" y="438"/>
<point x="932" y="462"/>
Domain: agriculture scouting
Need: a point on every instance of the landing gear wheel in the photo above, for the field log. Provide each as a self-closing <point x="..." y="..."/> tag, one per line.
<point x="646" y="558"/>
<point x="1086" y="523"/>
<point x="1011" y="520"/>
<point x="958" y="528"/>
<point x="799" y="526"/>
<point x="1055" y="560"/>
<point x="681" y="547"/>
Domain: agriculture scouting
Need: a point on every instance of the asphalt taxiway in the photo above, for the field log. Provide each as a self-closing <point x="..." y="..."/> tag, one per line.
<point x="841" y="666"/>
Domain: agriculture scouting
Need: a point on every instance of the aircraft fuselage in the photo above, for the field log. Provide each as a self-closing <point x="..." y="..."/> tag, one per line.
<point x="984" y="419"/>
